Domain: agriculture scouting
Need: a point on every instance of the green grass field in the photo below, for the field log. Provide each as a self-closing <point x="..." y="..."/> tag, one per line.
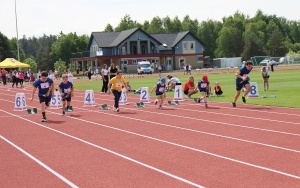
<point x="283" y="84"/>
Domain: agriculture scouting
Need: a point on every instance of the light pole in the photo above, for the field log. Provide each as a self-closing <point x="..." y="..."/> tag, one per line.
<point x="17" y="31"/>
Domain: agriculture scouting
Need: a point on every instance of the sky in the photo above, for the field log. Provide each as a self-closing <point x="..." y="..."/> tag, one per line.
<point x="50" y="17"/>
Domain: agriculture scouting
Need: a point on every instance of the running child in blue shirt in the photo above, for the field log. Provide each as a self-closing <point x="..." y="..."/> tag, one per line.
<point x="242" y="80"/>
<point x="203" y="87"/>
<point x="160" y="91"/>
<point x="46" y="91"/>
<point x="66" y="89"/>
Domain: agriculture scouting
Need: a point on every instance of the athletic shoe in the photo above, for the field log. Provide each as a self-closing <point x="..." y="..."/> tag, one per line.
<point x="44" y="120"/>
<point x="160" y="107"/>
<point x="233" y="104"/>
<point x="118" y="109"/>
<point x="206" y="106"/>
<point x="63" y="113"/>
<point x="115" y="109"/>
<point x="156" y="101"/>
<point x="199" y="100"/>
<point x="244" y="99"/>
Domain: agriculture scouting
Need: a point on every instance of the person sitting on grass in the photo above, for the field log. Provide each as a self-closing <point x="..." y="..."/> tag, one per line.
<point x="217" y="89"/>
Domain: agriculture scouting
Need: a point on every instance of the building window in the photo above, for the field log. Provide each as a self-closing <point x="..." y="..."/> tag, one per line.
<point x="191" y="45"/>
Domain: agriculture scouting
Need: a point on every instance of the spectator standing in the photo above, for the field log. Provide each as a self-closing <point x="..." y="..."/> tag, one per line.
<point x="112" y="71"/>
<point x="265" y="76"/>
<point x="105" y="79"/>
<point x="70" y="76"/>
<point x="3" y="76"/>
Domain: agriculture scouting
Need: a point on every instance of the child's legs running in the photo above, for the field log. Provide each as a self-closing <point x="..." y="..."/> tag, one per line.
<point x="203" y="93"/>
<point x="117" y="97"/>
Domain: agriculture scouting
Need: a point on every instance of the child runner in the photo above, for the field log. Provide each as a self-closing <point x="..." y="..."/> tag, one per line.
<point x="66" y="90"/>
<point x="46" y="90"/>
<point x="160" y="91"/>
<point x="242" y="80"/>
<point x="203" y="86"/>
<point x="116" y="84"/>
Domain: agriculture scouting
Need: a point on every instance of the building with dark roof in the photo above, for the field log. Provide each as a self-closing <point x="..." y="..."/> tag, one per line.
<point x="172" y="51"/>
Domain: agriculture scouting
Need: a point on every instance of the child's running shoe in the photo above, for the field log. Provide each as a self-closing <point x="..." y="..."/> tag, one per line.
<point x="244" y="99"/>
<point x="160" y="107"/>
<point x="233" y="104"/>
<point x="206" y="106"/>
<point x="118" y="110"/>
<point x="156" y="101"/>
<point x="63" y="113"/>
<point x="44" y="119"/>
<point x="199" y="100"/>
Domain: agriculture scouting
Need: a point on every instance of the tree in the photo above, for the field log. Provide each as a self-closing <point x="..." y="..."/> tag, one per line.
<point x="60" y="66"/>
<point x="172" y="26"/>
<point x="109" y="28"/>
<point x="5" y="48"/>
<point x="126" y="23"/>
<point x="190" y="25"/>
<point x="30" y="61"/>
<point x="276" y="44"/>
<point x="208" y="33"/>
<point x="254" y="40"/>
<point x="67" y="44"/>
<point x="156" y="26"/>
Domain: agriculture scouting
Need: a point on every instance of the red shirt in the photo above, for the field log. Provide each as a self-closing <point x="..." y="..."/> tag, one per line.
<point x="187" y="85"/>
<point x="3" y="72"/>
<point x="217" y="87"/>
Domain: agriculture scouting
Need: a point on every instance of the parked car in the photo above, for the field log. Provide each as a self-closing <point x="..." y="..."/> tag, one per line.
<point x="265" y="62"/>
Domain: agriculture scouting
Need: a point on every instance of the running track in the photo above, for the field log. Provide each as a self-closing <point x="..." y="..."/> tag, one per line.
<point x="179" y="146"/>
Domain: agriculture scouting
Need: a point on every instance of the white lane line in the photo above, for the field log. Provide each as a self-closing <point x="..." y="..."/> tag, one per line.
<point x="159" y="140"/>
<point x="193" y="130"/>
<point x="40" y="162"/>
<point x="136" y="97"/>
<point x="110" y="151"/>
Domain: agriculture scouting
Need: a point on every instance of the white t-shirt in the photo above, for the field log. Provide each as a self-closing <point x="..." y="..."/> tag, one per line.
<point x="104" y="72"/>
<point x="70" y="77"/>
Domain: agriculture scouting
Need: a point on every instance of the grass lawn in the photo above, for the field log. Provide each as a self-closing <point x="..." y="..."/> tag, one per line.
<point x="284" y="84"/>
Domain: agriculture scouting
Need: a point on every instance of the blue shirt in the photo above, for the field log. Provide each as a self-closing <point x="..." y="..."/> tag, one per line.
<point x="43" y="86"/>
<point x="160" y="89"/>
<point x="202" y="86"/>
<point x="65" y="87"/>
<point x="243" y="72"/>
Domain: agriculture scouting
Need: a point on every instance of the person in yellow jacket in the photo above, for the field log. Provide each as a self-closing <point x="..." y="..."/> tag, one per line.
<point x="115" y="85"/>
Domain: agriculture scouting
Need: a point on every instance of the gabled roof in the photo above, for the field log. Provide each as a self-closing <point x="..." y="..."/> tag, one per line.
<point x="172" y="39"/>
<point x="123" y="35"/>
<point x="112" y="39"/>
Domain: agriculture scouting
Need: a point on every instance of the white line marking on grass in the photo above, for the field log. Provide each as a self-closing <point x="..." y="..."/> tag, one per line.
<point x="110" y="151"/>
<point x="39" y="162"/>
